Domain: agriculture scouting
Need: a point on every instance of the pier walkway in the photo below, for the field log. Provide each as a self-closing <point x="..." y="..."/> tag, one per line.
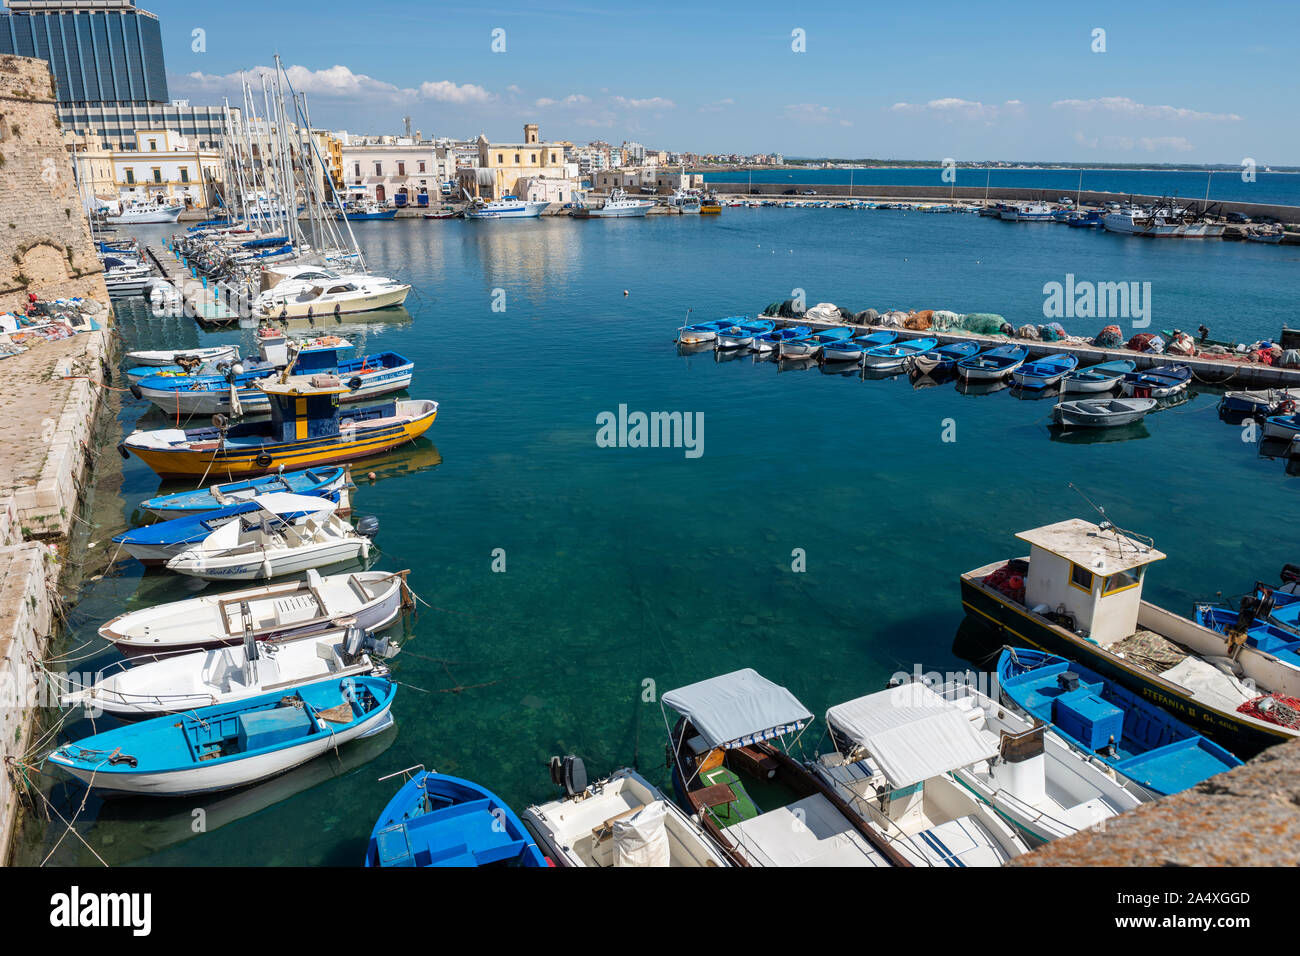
<point x="200" y="298"/>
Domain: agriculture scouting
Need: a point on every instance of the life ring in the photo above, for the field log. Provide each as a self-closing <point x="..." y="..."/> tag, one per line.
<point x="1287" y="406"/>
<point x="263" y="460"/>
<point x="354" y="382"/>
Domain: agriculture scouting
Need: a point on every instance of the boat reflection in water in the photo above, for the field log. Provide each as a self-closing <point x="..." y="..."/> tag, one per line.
<point x="966" y="386"/>
<point x="393" y="315"/>
<point x="1092" y="436"/>
<point x="409" y="459"/>
<point x="1034" y="394"/>
<point x="146" y="825"/>
<point x="931" y="379"/>
<point x="693" y="348"/>
<point x="730" y="355"/>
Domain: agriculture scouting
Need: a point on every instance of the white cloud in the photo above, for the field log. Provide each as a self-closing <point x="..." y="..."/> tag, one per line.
<point x="1124" y="106"/>
<point x="952" y="108"/>
<point x="336" y="81"/>
<point x="650" y="103"/>
<point x="717" y="106"/>
<point x="812" y="113"/>
<point x="573" y="99"/>
<point x="1178" y="144"/>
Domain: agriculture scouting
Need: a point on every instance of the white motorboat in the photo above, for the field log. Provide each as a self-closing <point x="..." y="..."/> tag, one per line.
<point x="153" y="211"/>
<point x="1026" y="212"/>
<point x="1102" y="412"/>
<point x="895" y="752"/>
<point x="262" y="545"/>
<point x="618" y="205"/>
<point x="1037" y="782"/>
<point x="219" y="675"/>
<point x="164" y="357"/>
<point x="322" y="292"/>
<point x="623" y="820"/>
<point x="373" y="599"/>
<point x="507" y="207"/>
<point x="685" y="202"/>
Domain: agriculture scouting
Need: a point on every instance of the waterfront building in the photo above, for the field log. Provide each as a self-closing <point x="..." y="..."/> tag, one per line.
<point x="162" y="164"/>
<point x="502" y="165"/>
<point x="380" y="170"/>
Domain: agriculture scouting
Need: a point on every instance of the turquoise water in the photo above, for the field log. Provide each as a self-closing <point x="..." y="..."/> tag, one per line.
<point x="631" y="565"/>
<point x="1228" y="185"/>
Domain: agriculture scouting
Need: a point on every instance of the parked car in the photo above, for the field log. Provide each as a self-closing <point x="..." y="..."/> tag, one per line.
<point x="1236" y="217"/>
<point x="809" y="192"/>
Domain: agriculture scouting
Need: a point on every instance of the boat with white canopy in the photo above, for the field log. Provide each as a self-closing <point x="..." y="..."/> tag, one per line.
<point x="894" y="754"/>
<point x="759" y="804"/>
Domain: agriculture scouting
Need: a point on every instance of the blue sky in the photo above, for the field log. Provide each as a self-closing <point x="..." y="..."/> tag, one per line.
<point x="1192" y="82"/>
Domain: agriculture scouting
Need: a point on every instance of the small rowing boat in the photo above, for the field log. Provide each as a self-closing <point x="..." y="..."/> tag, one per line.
<point x="997" y="363"/>
<point x="851" y="350"/>
<point x="708" y="331"/>
<point x="200" y="356"/>
<point x="1102" y="412"/>
<point x="1097" y="378"/>
<point x="770" y="341"/>
<point x="1044" y="372"/>
<point x="322" y="482"/>
<point x="892" y="355"/>
<point x="1159" y="382"/>
<point x="741" y="335"/>
<point x="812" y="345"/>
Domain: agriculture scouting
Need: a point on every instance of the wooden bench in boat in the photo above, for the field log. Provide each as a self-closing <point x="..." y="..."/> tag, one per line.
<point x="754" y="762"/>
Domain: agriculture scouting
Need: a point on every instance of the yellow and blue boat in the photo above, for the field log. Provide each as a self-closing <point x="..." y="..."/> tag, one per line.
<point x="306" y="429"/>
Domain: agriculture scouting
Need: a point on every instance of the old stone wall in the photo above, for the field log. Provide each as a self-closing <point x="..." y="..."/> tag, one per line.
<point x="45" y="244"/>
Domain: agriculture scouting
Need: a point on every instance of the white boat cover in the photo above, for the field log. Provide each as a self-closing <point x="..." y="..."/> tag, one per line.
<point x="912" y="733"/>
<point x="284" y="502"/>
<point x="738" y="709"/>
<point x="642" y="839"/>
<point x="808" y="832"/>
<point x="1208" y="684"/>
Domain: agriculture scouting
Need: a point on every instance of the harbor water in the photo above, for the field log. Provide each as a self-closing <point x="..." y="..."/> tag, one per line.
<point x="567" y="585"/>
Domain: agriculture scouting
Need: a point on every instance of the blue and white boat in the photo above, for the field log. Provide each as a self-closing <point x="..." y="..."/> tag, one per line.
<point x="813" y="344"/>
<point x="367" y="377"/>
<point x="1282" y="641"/>
<point x="440" y="820"/>
<point x="1097" y="378"/>
<point x="1159" y="382"/>
<point x="947" y="356"/>
<point x="1046" y="371"/>
<point x="894" y="354"/>
<point x="230" y="745"/>
<point x="1089" y="220"/>
<point x="851" y="350"/>
<point x="158" y="543"/>
<point x="996" y="363"/>
<point x="1026" y="212"/>
<point x="703" y="332"/>
<point x="771" y="341"/>
<point x="1282" y="427"/>
<point x="1128" y="733"/>
<point x="741" y="335"/>
<point x="322" y="482"/>
<point x="507" y="207"/>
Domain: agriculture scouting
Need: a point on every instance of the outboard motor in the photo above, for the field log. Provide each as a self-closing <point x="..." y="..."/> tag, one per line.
<point x="354" y="639"/>
<point x="368" y="525"/>
<point x="570" y="773"/>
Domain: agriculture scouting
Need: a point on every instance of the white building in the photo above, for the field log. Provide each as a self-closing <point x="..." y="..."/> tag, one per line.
<point x="165" y="164"/>
<point x="383" y="170"/>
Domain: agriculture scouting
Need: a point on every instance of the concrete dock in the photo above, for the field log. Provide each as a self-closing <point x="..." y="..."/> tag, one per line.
<point x="201" y="298"/>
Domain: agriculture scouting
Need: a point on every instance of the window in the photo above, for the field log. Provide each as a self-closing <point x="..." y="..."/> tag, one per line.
<point x="157" y="174"/>
<point x="401" y="168"/>
<point x="421" y="166"/>
<point x="532" y="159"/>
<point x="501" y="159"/>
<point x="1122" y="581"/>
<point x="185" y="175"/>
<point x="1080" y="577"/>
<point x="153" y="145"/>
<point x="130" y="176"/>
<point x="358" y="170"/>
<point x="379" y="169"/>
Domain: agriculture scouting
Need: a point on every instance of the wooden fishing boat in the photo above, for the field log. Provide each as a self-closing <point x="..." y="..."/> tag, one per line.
<point x="158" y="543"/>
<point x="1134" y="737"/>
<point x="893" y="355"/>
<point x="1259" y="402"/>
<point x="306" y="428"/>
<point x="1046" y="371"/>
<point x="1281" y="427"/>
<point x="741" y="335"/>
<point x="220" y="675"/>
<point x="229" y="745"/>
<point x="770" y="341"/>
<point x="792" y="817"/>
<point x="1097" y="378"/>
<point x="324" y="482"/>
<point x="894" y="754"/>
<point x="439" y="820"/>
<point x="166" y="357"/>
<point x="995" y="364"/>
<point x="1079" y="596"/>
<point x="812" y="345"/>
<point x="276" y="612"/>
<point x="1159" y="382"/>
<point x="623" y="821"/>
<point x="1038" y="783"/>
<point x="1102" y="412"/>
<point x="263" y="545"/>
<point x="703" y="332"/>
<point x="947" y="356"/>
<point x="851" y="350"/>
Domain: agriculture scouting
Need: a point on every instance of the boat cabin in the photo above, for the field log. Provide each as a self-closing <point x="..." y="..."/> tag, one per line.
<point x="1090" y="573"/>
<point x="304" y="406"/>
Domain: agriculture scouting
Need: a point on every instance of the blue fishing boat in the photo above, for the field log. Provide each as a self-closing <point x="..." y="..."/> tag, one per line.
<point x="1091" y="220"/>
<point x="741" y="335"/>
<point x="892" y="355"/>
<point x="947" y="356"/>
<point x="1132" y="735"/>
<point x="703" y="332"/>
<point x="812" y="344"/>
<point x="230" y="745"/>
<point x="1159" y="382"/>
<point x="770" y="341"/>
<point x="1282" y="641"/>
<point x="1097" y="378"/>
<point x="324" y="482"/>
<point x="851" y="350"/>
<point x="1046" y="371"/>
<point x="996" y="363"/>
<point x="159" y="543"/>
<point x="439" y="820"/>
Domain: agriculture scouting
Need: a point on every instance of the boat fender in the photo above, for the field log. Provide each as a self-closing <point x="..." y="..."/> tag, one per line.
<point x="266" y="566"/>
<point x="121" y="450"/>
<point x="337" y="308"/>
<point x="365" y="548"/>
<point x="263" y="460"/>
<point x="127" y="759"/>
<point x="354" y="382"/>
<point x="218" y="421"/>
<point x="135" y="390"/>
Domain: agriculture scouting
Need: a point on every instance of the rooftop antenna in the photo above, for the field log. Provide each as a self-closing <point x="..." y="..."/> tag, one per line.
<point x="406" y="120"/>
<point x="1121" y="535"/>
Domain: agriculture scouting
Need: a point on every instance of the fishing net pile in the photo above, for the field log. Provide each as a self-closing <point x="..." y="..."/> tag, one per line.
<point x="1149" y="650"/>
<point x="985" y="323"/>
<point x="1010" y="579"/>
<point x="1109" y="338"/>
<point x="1276" y="709"/>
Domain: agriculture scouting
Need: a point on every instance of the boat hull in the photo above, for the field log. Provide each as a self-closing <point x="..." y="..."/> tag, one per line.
<point x="1010" y="621"/>
<point x="387" y="298"/>
<point x="271" y="564"/>
<point x="253" y="401"/>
